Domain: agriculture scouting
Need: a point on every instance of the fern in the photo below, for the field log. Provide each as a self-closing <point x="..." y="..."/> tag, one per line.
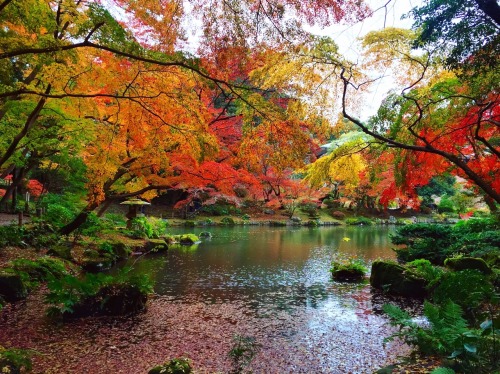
<point x="443" y="371"/>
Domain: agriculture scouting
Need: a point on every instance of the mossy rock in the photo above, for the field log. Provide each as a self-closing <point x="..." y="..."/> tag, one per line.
<point x="111" y="300"/>
<point x="463" y="263"/>
<point x="348" y="275"/>
<point x="12" y="287"/>
<point x="156" y="245"/>
<point x="121" y="250"/>
<point x="227" y="221"/>
<point x="205" y="234"/>
<point x="174" y="366"/>
<point x="96" y="264"/>
<point x="62" y="250"/>
<point x="189" y="224"/>
<point x="188" y="239"/>
<point x="277" y="223"/>
<point x="397" y="280"/>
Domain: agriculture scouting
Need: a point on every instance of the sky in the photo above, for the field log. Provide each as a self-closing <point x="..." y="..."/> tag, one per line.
<point x="386" y="13"/>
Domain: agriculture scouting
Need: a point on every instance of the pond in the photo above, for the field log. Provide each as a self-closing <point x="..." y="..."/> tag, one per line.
<point x="270" y="284"/>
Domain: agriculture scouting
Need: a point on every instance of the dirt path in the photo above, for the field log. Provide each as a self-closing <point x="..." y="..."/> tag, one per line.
<point x="7" y="219"/>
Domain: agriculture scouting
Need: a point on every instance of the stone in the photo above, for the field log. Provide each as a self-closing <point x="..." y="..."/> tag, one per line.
<point x="296" y="219"/>
<point x="112" y="300"/>
<point x="12" y="287"/>
<point x="463" y="263"/>
<point x="205" y="234"/>
<point x="156" y="245"/>
<point x="62" y="251"/>
<point x="397" y="280"/>
<point x="269" y="212"/>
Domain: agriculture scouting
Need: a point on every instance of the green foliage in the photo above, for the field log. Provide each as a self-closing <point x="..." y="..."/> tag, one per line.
<point x="351" y="269"/>
<point x="443" y="371"/>
<point x="11" y="236"/>
<point x="70" y="290"/>
<point x="474" y="237"/>
<point x="446" y="205"/>
<point x="438" y="186"/>
<point x="60" y="209"/>
<point x="42" y="269"/>
<point x="115" y="219"/>
<point x="424" y="268"/>
<point x="227" y="221"/>
<point x="149" y="227"/>
<point x="358" y="221"/>
<point x="14" y="360"/>
<point x="310" y="208"/>
<point x="446" y="332"/>
<point x="467" y="288"/>
<point x="175" y="366"/>
<point x="243" y="351"/>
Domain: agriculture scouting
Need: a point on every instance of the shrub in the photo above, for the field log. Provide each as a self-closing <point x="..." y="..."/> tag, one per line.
<point x="149" y="227"/>
<point x="228" y="221"/>
<point x="42" y="269"/>
<point x="175" y="366"/>
<point x="338" y="215"/>
<point x="14" y="360"/>
<point x="426" y="270"/>
<point x="358" y="221"/>
<point x="243" y="351"/>
<point x="92" y="292"/>
<point x="11" y="236"/>
<point x="446" y="205"/>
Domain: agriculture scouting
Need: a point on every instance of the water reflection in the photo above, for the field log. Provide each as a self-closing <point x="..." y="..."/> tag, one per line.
<point x="278" y="269"/>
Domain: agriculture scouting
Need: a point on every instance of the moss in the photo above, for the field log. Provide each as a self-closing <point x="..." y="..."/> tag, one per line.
<point x="227" y="221"/>
<point x="62" y="250"/>
<point x="205" y="234"/>
<point x="396" y="279"/>
<point x="348" y="271"/>
<point x="188" y="239"/>
<point x="156" y="245"/>
<point x="462" y="263"/>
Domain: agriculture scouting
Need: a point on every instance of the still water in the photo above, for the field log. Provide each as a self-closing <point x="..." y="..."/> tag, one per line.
<point x="270" y="284"/>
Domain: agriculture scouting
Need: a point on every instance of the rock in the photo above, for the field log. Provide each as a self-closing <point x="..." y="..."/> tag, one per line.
<point x="269" y="212"/>
<point x="112" y="300"/>
<point x="277" y="223"/>
<point x="12" y="287"/>
<point x="228" y="221"/>
<point x="62" y="250"/>
<point x="463" y="263"/>
<point x="156" y="245"/>
<point x="96" y="264"/>
<point x="397" y="280"/>
<point x="296" y="219"/>
<point x="205" y="234"/>
<point x="188" y="239"/>
<point x="121" y="250"/>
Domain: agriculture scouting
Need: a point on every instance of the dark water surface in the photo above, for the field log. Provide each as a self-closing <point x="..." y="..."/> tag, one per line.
<point x="272" y="284"/>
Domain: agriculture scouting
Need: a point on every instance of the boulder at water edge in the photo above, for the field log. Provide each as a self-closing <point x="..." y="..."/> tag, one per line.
<point x="397" y="280"/>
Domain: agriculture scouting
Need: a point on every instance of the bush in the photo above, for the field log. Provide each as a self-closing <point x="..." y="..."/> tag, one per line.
<point x="358" y="221"/>
<point x="475" y="237"/>
<point x="42" y="269"/>
<point x="93" y="293"/>
<point x="446" y="205"/>
<point x="175" y="366"/>
<point x="11" y="236"/>
<point x="227" y="221"/>
<point x="14" y="360"/>
<point x="149" y="227"/>
<point x="338" y="215"/>
<point x="426" y="270"/>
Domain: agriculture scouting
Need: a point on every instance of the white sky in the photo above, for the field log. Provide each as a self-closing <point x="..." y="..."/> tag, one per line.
<point x="346" y="37"/>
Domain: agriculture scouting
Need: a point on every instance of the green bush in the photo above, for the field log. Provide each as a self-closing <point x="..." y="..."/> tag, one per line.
<point x="227" y="221"/>
<point x="14" y="360"/>
<point x="175" y="366"/>
<point x="475" y="237"/>
<point x="42" y="269"/>
<point x="467" y="288"/>
<point x="11" y="236"/>
<point x="424" y="268"/>
<point x="353" y="221"/>
<point x="68" y="292"/>
<point x="446" y="205"/>
<point x="149" y="227"/>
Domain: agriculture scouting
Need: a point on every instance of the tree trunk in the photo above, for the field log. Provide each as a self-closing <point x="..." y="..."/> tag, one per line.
<point x="490" y="8"/>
